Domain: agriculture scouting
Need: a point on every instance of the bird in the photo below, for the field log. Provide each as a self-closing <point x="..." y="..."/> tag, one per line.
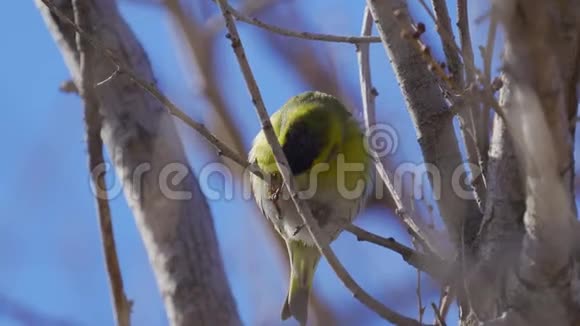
<point x="324" y="146"/>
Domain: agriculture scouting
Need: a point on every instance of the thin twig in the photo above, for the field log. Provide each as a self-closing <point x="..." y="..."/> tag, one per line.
<point x="283" y="166"/>
<point x="447" y="297"/>
<point x="413" y="33"/>
<point x="369" y="93"/>
<point x="419" y="297"/>
<point x="303" y="35"/>
<point x="465" y="37"/>
<point x="487" y="62"/>
<point x="462" y="72"/>
<point x="216" y="23"/>
<point x="443" y="25"/>
<point x="489" y="49"/>
<point x="93" y="121"/>
<point x="447" y="35"/>
<point x="438" y="317"/>
<point x="476" y="112"/>
<point x="150" y="88"/>
<point x="429" y="264"/>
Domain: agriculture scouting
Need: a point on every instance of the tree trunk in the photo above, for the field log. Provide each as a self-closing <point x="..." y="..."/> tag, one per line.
<point x="171" y="213"/>
<point x="522" y="268"/>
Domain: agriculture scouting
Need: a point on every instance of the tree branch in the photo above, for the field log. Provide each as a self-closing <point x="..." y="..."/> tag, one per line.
<point x="443" y="23"/>
<point x="428" y="263"/>
<point x="477" y="133"/>
<point x="172" y="215"/>
<point x="93" y="122"/>
<point x="465" y="37"/>
<point x="248" y="8"/>
<point x="528" y="229"/>
<point x="539" y="57"/>
<point x="484" y="125"/>
<point x="368" y="93"/>
<point x="432" y="119"/>
<point x="462" y="75"/>
<point x="303" y="35"/>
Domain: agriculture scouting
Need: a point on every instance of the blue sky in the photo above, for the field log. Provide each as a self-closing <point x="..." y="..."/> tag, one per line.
<point x="50" y="256"/>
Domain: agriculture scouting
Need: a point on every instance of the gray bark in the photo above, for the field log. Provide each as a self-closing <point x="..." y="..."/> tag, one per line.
<point x="526" y="242"/>
<point x="523" y="269"/>
<point x="432" y="118"/>
<point x="171" y="213"/>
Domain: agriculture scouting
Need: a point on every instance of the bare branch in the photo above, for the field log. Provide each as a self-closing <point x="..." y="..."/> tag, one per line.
<point x="456" y="67"/>
<point x="466" y="46"/>
<point x="475" y="113"/>
<point x="420" y="297"/>
<point x="484" y="123"/>
<point x="531" y="170"/>
<point x="440" y="320"/>
<point x="433" y="121"/>
<point x="247" y="8"/>
<point x="450" y="49"/>
<point x="303" y="35"/>
<point x="283" y="166"/>
<point x="432" y="265"/>
<point x="93" y="122"/>
<point x="542" y="61"/>
<point x="171" y="213"/>
<point x="369" y="93"/>
<point x="447" y="297"/>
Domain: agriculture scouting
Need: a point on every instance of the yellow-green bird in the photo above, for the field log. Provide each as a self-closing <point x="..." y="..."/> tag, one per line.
<point x="324" y="147"/>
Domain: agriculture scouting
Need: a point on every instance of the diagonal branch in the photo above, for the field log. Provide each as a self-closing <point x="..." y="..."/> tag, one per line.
<point x="368" y="93"/>
<point x="428" y="263"/>
<point x="463" y="73"/>
<point x="432" y="119"/>
<point x="165" y="198"/>
<point x="443" y="25"/>
<point x="283" y="166"/>
<point x="465" y="37"/>
<point x="303" y="35"/>
<point x="250" y="7"/>
<point x="93" y="121"/>
<point x="484" y="123"/>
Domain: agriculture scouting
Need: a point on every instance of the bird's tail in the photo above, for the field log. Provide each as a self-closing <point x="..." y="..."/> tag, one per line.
<point x="303" y="261"/>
